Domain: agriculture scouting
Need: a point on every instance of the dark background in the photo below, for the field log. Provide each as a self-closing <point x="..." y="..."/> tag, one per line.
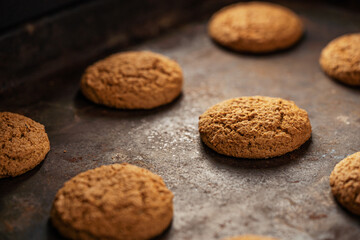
<point x="15" y="12"/>
<point x="41" y="37"/>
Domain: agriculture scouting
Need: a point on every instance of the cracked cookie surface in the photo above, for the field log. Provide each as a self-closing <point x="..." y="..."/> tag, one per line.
<point x="23" y="142"/>
<point x="250" y="237"/>
<point x="340" y="59"/>
<point x="345" y="182"/>
<point x="119" y="201"/>
<point x="254" y="127"/>
<point x="257" y="27"/>
<point x="133" y="80"/>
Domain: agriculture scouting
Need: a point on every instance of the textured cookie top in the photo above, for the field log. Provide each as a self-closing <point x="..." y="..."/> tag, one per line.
<point x="24" y="144"/>
<point x="133" y="80"/>
<point x="118" y="201"/>
<point x="340" y="59"/>
<point x="345" y="182"/>
<point x="254" y="127"/>
<point x="250" y="237"/>
<point x="255" y="27"/>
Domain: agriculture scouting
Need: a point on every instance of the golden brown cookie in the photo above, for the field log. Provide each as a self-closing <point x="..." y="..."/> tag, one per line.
<point x="254" y="127"/>
<point x="118" y="201"/>
<point x="24" y="144"/>
<point x="257" y="27"/>
<point x="340" y="59"/>
<point x="133" y="80"/>
<point x="250" y="237"/>
<point x="345" y="182"/>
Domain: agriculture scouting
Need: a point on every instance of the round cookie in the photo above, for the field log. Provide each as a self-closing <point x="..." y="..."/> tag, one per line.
<point x="254" y="127"/>
<point x="345" y="182"/>
<point x="118" y="201"/>
<point x="250" y="237"/>
<point x="24" y="144"/>
<point x="133" y="80"/>
<point x="256" y="27"/>
<point x="340" y="59"/>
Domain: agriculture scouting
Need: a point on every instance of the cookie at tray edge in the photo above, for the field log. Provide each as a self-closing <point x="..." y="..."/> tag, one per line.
<point x="345" y="182"/>
<point x="257" y="27"/>
<point x="340" y="59"/>
<point x="250" y="237"/>
<point x="133" y="80"/>
<point x="254" y="127"/>
<point x="118" y="201"/>
<point x="23" y="142"/>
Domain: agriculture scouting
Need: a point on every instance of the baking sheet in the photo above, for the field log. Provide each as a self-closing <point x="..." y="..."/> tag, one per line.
<point x="215" y="196"/>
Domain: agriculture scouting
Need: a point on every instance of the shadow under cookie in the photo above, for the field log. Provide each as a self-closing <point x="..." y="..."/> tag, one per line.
<point x="85" y="107"/>
<point x="345" y="211"/>
<point x="10" y="184"/>
<point x="51" y="232"/>
<point x="165" y="233"/>
<point x="342" y="84"/>
<point x="288" y="158"/>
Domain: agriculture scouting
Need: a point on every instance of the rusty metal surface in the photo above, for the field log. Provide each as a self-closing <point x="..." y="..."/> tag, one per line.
<point x="215" y="196"/>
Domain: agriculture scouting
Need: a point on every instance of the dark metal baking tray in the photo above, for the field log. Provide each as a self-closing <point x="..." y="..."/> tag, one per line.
<point x="215" y="196"/>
